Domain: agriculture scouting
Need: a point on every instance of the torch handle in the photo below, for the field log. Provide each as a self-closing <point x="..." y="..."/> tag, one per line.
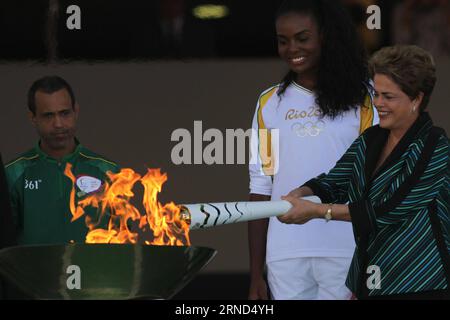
<point x="206" y="215"/>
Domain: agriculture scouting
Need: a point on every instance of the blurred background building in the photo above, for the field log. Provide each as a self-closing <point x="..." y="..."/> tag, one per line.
<point x="161" y="29"/>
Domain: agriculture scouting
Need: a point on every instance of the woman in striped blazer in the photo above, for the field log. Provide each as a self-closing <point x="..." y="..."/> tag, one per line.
<point x="393" y="185"/>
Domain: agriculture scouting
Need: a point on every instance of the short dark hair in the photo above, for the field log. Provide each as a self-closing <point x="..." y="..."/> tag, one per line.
<point x="410" y="67"/>
<point x="48" y="84"/>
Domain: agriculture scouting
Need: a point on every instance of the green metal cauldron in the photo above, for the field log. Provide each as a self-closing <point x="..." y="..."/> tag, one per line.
<point x="101" y="271"/>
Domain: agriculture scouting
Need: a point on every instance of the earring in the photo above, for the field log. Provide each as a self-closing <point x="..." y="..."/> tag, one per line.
<point x="414" y="108"/>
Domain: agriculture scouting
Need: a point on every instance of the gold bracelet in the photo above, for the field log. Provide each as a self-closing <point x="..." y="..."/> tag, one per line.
<point x="328" y="215"/>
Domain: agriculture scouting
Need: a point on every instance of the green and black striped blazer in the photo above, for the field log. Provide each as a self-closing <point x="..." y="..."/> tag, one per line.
<point x="400" y="213"/>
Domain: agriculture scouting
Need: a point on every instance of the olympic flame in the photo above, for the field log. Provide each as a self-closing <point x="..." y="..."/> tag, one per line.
<point x="162" y="223"/>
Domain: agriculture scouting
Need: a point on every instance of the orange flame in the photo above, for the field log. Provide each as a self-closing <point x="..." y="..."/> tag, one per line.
<point x="162" y="222"/>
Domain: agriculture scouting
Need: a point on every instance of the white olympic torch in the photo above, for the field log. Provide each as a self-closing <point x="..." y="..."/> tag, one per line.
<point x="206" y="215"/>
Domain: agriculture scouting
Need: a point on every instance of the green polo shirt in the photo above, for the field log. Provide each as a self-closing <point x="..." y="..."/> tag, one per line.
<point x="40" y="194"/>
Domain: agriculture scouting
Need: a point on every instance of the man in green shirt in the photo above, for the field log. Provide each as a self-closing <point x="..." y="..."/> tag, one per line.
<point x="39" y="189"/>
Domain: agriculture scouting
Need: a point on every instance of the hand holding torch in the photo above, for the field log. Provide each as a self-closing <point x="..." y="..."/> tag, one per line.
<point x="206" y="215"/>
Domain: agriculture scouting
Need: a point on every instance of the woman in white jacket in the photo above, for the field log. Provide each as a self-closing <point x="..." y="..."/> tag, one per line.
<point x="319" y="108"/>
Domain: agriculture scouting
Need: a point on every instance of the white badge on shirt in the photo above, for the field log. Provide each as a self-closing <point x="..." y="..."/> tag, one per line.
<point x="88" y="184"/>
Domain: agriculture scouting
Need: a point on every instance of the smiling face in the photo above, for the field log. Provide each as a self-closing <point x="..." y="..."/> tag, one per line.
<point x="396" y="110"/>
<point x="299" y="44"/>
